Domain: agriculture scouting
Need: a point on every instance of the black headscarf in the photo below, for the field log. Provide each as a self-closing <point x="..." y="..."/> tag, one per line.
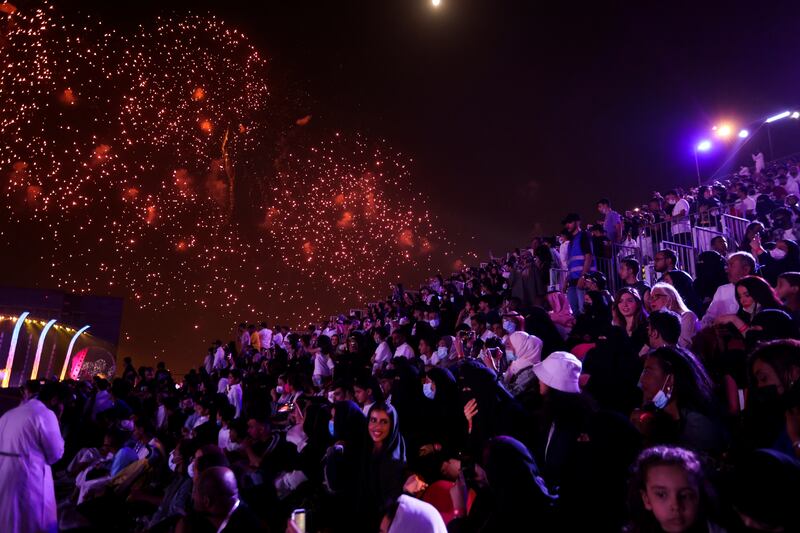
<point x="515" y="485"/>
<point x="684" y="284"/>
<point x="447" y="424"/>
<point x="711" y="274"/>
<point x="766" y="488"/>
<point x="382" y="471"/>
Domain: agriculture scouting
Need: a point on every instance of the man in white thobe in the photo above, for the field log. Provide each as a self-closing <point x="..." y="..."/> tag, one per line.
<point x="30" y="441"/>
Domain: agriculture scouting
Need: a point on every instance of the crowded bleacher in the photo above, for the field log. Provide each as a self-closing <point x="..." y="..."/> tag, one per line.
<point x="638" y="372"/>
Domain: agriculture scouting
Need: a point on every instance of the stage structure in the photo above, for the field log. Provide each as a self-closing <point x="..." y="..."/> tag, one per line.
<point x="49" y="333"/>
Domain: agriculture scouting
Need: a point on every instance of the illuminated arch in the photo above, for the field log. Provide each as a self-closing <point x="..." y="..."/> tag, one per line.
<point x="13" y="348"/>
<point x="69" y="350"/>
<point x="39" y="347"/>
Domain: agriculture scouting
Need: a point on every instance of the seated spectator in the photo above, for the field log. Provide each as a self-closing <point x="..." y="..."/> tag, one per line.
<point x="788" y="290"/>
<point x="629" y="272"/>
<point x="753" y="294"/>
<point x="670" y="492"/>
<point x="663" y="328"/>
<point x="665" y="296"/>
<point x="725" y="301"/>
<point x="383" y="460"/>
<point x="684" y="284"/>
<point x="664" y="261"/>
<point x="217" y="505"/>
<point x="678" y="406"/>
<point x="719" y="244"/>
<point x="710" y="268"/>
<point x="630" y="315"/>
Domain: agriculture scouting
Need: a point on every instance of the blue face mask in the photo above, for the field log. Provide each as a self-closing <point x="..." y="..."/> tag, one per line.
<point x="510" y="356"/>
<point x="509" y="326"/>
<point x="330" y="427"/>
<point x="427" y="390"/>
<point x="661" y="399"/>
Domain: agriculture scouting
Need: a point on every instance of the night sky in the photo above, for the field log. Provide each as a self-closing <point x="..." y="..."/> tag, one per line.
<point x="514" y="112"/>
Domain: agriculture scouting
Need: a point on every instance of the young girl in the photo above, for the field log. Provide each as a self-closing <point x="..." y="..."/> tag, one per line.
<point x="669" y="493"/>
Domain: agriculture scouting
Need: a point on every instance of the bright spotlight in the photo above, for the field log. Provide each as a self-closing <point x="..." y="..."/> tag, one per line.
<point x="704" y="146"/>
<point x="796" y="114"/>
<point x="436" y="3"/>
<point x="724" y="131"/>
<point x="743" y="134"/>
<point x="777" y="117"/>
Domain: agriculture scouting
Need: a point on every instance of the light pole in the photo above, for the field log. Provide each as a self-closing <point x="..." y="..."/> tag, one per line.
<point x="702" y="146"/>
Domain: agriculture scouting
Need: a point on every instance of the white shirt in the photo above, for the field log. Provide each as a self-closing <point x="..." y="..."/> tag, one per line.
<point x="30" y="434"/>
<point x="723" y="303"/>
<point x="235" y="398"/>
<point x="323" y="365"/>
<point x="680" y="224"/>
<point x="265" y="335"/>
<point x="383" y="354"/>
<point x="792" y="186"/>
<point x="277" y="340"/>
<point x="219" y="358"/>
<point x="222" y="386"/>
<point x="404" y="350"/>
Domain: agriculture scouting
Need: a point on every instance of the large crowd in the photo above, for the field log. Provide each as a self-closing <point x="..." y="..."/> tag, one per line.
<point x="523" y="394"/>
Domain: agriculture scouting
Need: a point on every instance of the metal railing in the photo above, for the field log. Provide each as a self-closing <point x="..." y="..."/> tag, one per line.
<point x="685" y="253"/>
<point x="703" y="237"/>
<point x="734" y="228"/>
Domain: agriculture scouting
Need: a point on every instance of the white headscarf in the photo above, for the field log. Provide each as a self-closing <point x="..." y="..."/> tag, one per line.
<point x="416" y="516"/>
<point x="527" y="348"/>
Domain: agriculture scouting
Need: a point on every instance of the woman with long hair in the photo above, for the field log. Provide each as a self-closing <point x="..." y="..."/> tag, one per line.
<point x="684" y="284"/>
<point x="753" y="294"/>
<point x="677" y="402"/>
<point x="629" y="314"/>
<point x="666" y="296"/>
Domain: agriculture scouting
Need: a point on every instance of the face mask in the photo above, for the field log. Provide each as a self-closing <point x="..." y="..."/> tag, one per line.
<point x="330" y="427"/>
<point x="279" y="389"/>
<point x="777" y="254"/>
<point x="191" y="470"/>
<point x="506" y="274"/>
<point x="510" y="356"/>
<point x="434" y="323"/>
<point x="661" y="399"/>
<point x="509" y="326"/>
<point x="671" y="202"/>
<point x="452" y="299"/>
<point x="441" y="353"/>
<point x="330" y="397"/>
<point x="427" y="390"/>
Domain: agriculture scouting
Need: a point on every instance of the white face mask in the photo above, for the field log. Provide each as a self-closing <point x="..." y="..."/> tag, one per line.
<point x="777" y="254"/>
<point x="434" y="323"/>
<point x="509" y="326"/>
<point x="441" y="353"/>
<point x="191" y="470"/>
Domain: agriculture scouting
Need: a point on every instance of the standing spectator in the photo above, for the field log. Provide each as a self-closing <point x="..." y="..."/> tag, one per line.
<point x="235" y="391"/>
<point x="758" y="159"/>
<point x="681" y="228"/>
<point x="219" y="356"/>
<point x="265" y="336"/>
<point x="580" y="260"/>
<point x="612" y="221"/>
<point x="30" y="441"/>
